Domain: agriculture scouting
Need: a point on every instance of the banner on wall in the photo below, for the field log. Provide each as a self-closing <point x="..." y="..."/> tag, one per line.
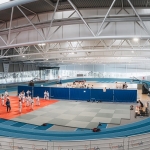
<point x="6" y="68"/>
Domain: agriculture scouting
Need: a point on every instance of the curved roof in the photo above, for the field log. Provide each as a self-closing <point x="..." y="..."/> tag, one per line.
<point x="39" y="6"/>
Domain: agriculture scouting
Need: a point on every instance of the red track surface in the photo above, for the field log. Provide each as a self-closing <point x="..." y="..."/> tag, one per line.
<point x="15" y="109"/>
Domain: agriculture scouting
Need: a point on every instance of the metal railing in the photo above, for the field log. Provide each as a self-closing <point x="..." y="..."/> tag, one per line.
<point x="138" y="142"/>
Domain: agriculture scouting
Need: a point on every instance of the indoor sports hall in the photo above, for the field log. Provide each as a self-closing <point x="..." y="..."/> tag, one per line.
<point x="74" y="74"/>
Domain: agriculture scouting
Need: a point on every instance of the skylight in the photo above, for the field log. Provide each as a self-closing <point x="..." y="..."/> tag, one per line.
<point x="4" y="1"/>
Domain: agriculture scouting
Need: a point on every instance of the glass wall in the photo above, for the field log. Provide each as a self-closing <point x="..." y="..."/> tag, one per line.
<point x="49" y="74"/>
<point x="36" y="75"/>
<point x="104" y="71"/>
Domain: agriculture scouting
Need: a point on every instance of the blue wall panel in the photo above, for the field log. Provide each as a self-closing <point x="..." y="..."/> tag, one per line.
<point x="80" y="94"/>
<point x="59" y="93"/>
<point x="111" y="95"/>
<point x="125" y="95"/>
<point x="98" y="94"/>
<point x="39" y="91"/>
<point x="25" y="89"/>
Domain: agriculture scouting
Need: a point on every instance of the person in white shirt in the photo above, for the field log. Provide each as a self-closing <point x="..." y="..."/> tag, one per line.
<point x="3" y="99"/>
<point x="23" y="96"/>
<point x="6" y="94"/>
<point x="32" y="103"/>
<point x="27" y="101"/>
<point x="104" y="90"/>
<point x="45" y="94"/>
<point x="37" y="101"/>
<point x="19" y="96"/>
<point x="20" y="106"/>
<point x="28" y="93"/>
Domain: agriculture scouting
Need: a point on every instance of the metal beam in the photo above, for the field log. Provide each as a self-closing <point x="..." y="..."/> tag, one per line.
<point x="31" y="23"/>
<point x="48" y="32"/>
<point x="28" y="10"/>
<point x="76" y="39"/>
<point x="15" y="3"/>
<point x="71" y="21"/>
<point x="43" y="54"/>
<point x="79" y="14"/>
<point x="139" y="17"/>
<point x="10" y="25"/>
<point x="100" y="28"/>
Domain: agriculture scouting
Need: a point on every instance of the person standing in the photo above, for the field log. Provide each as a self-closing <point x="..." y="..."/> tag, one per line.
<point x="45" y="94"/>
<point x="37" y="101"/>
<point x="8" y="105"/>
<point x="20" y="106"/>
<point x="32" y="103"/>
<point x="3" y="99"/>
<point x="28" y="93"/>
<point x="27" y="101"/>
<point x="6" y="94"/>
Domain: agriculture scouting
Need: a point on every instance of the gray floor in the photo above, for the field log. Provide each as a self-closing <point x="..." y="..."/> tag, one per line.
<point x="128" y="121"/>
<point x="78" y="114"/>
<point x="61" y="128"/>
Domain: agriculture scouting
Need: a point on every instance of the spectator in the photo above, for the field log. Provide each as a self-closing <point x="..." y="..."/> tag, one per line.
<point x="8" y="105"/>
<point x="20" y="106"/>
<point x="140" y="104"/>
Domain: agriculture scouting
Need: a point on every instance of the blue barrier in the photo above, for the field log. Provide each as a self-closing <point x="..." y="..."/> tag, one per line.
<point x="98" y="94"/>
<point x="80" y="94"/>
<point x="111" y="95"/>
<point x="125" y="95"/>
<point x="39" y="91"/>
<point x="59" y="93"/>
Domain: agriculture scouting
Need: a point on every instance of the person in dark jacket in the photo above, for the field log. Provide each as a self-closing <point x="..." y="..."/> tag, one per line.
<point x="8" y="105"/>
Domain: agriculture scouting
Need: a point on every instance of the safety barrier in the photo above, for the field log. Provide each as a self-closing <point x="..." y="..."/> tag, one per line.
<point x="110" y="95"/>
<point x="138" y="142"/>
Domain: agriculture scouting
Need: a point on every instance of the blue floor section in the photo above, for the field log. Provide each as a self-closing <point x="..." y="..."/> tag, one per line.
<point x="2" y="120"/>
<point x="24" y="125"/>
<point x="9" y="122"/>
<point x="18" y="124"/>
<point x="102" y="126"/>
<point x="44" y="127"/>
<point x="29" y="126"/>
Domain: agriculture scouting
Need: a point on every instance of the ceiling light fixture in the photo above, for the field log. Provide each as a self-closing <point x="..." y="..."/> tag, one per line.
<point x="135" y="39"/>
<point x="41" y="44"/>
<point x="23" y="56"/>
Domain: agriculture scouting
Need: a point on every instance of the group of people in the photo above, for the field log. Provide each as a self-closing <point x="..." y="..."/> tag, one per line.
<point x="141" y="108"/>
<point x="46" y="95"/>
<point x="121" y="86"/>
<point x="79" y="84"/>
<point x="6" y="101"/>
<point x="27" y="100"/>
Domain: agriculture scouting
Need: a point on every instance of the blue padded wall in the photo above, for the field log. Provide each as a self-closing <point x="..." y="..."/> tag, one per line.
<point x="125" y="95"/>
<point x="25" y="89"/>
<point x="98" y="94"/>
<point x="59" y="93"/>
<point x="111" y="95"/>
<point x="80" y="94"/>
<point x="39" y="91"/>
